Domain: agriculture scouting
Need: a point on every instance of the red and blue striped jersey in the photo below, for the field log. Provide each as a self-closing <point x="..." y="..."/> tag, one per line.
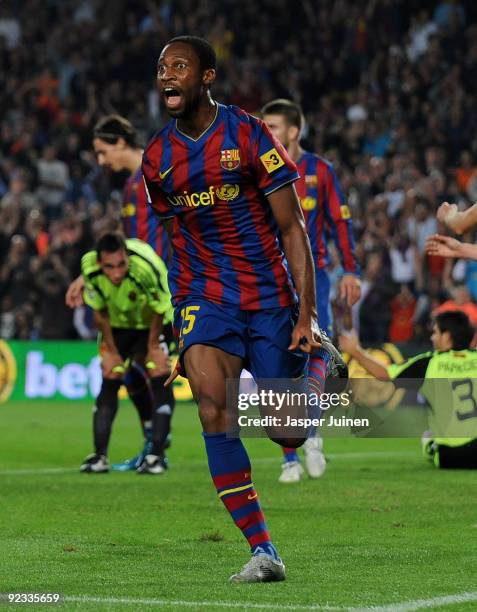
<point x="325" y="211"/>
<point x="225" y="239"/>
<point x="139" y="220"/>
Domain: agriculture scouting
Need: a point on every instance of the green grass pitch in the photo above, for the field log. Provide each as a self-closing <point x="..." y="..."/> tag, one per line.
<point x="380" y="527"/>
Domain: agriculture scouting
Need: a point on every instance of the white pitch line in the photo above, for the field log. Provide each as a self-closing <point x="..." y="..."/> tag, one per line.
<point x="201" y="604"/>
<point x="420" y="604"/>
<point x="407" y="606"/>
<point x="333" y="456"/>
<point x="28" y="471"/>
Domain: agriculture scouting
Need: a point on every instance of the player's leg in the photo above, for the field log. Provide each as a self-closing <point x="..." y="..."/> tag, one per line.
<point x="267" y="349"/>
<point x="212" y="343"/>
<point x="207" y="369"/>
<point x="152" y="460"/>
<point x="463" y="456"/>
<point x="104" y="413"/>
<point x="140" y="393"/>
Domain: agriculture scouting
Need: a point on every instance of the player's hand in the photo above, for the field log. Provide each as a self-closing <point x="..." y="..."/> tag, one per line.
<point x="447" y="213"/>
<point x="177" y="371"/>
<point x="112" y="364"/>
<point x="349" y="289"/>
<point x="444" y="246"/>
<point x="349" y="342"/>
<point x="158" y="363"/>
<point x="74" y="294"/>
<point x="305" y="335"/>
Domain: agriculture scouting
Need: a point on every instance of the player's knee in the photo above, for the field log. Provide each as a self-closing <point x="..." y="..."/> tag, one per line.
<point x="210" y="413"/>
<point x="117" y="376"/>
<point x="289" y="442"/>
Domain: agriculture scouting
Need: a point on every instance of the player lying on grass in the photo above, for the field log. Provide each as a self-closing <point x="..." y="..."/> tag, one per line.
<point x="242" y="275"/>
<point x="126" y="285"/>
<point x="325" y="212"/>
<point x="447" y="379"/>
<point x="116" y="146"/>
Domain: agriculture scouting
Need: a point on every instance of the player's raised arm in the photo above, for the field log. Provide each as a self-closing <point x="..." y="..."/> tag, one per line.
<point x="446" y="246"/>
<point x="458" y="221"/>
<point x="287" y="212"/>
<point x="349" y="343"/>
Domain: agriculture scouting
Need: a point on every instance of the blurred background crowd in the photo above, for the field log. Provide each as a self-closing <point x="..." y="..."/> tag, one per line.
<point x="388" y="90"/>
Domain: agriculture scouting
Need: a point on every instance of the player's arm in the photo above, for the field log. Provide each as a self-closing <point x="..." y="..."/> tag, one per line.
<point x="74" y="293"/>
<point x="287" y="212"/>
<point x="159" y="301"/>
<point x="446" y="246"/>
<point x="413" y="368"/>
<point x="349" y="343"/>
<point x="458" y="221"/>
<point x="111" y="360"/>
<point x="339" y="222"/>
<point x="157" y="360"/>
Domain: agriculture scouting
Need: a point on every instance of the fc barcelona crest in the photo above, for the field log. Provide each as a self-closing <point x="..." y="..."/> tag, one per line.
<point x="230" y="159"/>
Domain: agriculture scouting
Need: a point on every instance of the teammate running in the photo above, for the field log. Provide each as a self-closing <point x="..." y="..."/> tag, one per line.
<point x="326" y="213"/>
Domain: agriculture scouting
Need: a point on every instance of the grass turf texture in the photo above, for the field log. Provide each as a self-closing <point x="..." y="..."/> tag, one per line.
<point x="380" y="527"/>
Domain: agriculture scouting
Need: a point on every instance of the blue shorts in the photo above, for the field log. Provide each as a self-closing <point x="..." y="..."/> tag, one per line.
<point x="260" y="337"/>
<point x="323" y="305"/>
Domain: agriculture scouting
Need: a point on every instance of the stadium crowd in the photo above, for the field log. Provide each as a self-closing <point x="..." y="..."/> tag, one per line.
<point x="388" y="92"/>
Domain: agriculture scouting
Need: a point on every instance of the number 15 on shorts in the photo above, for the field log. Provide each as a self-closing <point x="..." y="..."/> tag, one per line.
<point x="188" y="319"/>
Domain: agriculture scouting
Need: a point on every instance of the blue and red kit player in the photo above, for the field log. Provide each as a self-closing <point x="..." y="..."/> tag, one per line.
<point x="115" y="143"/>
<point x="241" y="260"/>
<point x="326" y="214"/>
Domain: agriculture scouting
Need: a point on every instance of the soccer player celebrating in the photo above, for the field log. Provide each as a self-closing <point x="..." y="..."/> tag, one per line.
<point x="116" y="146"/>
<point x="448" y="376"/>
<point x="126" y="286"/>
<point x="325" y="212"/>
<point x="227" y="183"/>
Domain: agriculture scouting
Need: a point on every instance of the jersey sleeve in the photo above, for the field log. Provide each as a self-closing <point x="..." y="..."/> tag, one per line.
<point x="156" y="198"/>
<point x="92" y="294"/>
<point x="272" y="164"/>
<point x="415" y="367"/>
<point x="151" y="273"/>
<point x="338" y="217"/>
<point x="158" y="296"/>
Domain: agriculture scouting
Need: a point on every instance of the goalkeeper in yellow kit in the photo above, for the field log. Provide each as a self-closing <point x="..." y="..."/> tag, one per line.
<point x="447" y="379"/>
<point x="126" y="286"/>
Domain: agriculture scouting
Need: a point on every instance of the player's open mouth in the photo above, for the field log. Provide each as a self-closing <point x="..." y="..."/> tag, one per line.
<point x="172" y="97"/>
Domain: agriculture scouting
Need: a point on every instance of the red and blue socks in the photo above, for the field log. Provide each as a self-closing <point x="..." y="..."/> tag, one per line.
<point x="231" y="472"/>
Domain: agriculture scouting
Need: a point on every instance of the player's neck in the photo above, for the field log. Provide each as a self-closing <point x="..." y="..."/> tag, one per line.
<point x="132" y="159"/>
<point x="295" y="151"/>
<point x="198" y="122"/>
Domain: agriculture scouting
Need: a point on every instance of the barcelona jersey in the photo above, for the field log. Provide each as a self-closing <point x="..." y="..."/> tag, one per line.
<point x="225" y="238"/>
<point x="139" y="221"/>
<point x="325" y="211"/>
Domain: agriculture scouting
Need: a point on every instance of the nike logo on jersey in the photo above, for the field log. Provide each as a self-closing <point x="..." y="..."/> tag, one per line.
<point x="254" y="496"/>
<point x="162" y="175"/>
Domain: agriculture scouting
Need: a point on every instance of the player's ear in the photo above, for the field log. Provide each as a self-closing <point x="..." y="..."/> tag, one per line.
<point x="121" y="143"/>
<point x="293" y="132"/>
<point x="209" y="76"/>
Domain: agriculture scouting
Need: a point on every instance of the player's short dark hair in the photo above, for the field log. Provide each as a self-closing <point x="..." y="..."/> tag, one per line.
<point x="111" y="242"/>
<point x="289" y="109"/>
<point x="202" y="47"/>
<point x="458" y="325"/>
<point x="112" y="127"/>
